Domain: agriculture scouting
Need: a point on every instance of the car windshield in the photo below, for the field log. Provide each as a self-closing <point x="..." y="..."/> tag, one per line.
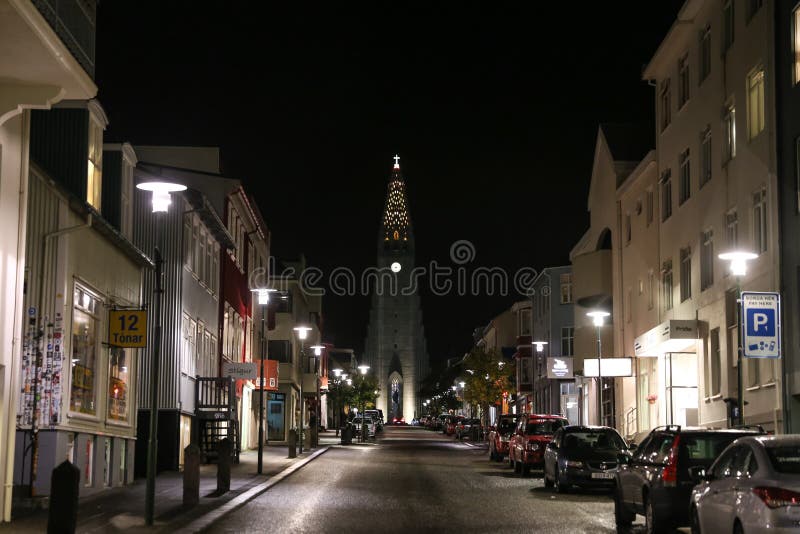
<point x="785" y="459"/>
<point x="543" y="426"/>
<point x="594" y="439"/>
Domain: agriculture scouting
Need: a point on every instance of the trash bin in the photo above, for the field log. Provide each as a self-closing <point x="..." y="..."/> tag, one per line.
<point x="475" y="433"/>
<point x="347" y="435"/>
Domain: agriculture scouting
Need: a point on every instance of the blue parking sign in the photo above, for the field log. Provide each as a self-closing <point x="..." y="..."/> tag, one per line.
<point x="761" y="328"/>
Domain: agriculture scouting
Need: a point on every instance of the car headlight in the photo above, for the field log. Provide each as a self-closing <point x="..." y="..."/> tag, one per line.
<point x="533" y="446"/>
<point x="574" y="463"/>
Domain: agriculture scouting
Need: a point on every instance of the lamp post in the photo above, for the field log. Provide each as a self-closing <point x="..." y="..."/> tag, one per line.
<point x="598" y="317"/>
<point x="302" y="334"/>
<point x="539" y="350"/>
<point x="318" y="403"/>
<point x="161" y="201"/>
<point x="337" y="381"/>
<point x="263" y="301"/>
<point x="738" y="260"/>
<point x="363" y="368"/>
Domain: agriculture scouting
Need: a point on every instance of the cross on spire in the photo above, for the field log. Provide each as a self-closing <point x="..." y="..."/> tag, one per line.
<point x="396" y="161"/>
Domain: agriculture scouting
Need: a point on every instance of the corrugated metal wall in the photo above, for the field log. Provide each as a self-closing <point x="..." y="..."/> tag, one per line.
<point x="60" y="146"/>
<point x="144" y="236"/>
<point x="43" y="206"/>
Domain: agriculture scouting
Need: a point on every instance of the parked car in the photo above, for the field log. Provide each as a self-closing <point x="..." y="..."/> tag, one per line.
<point x="754" y="486"/>
<point x="450" y="424"/>
<point x="500" y="434"/>
<point x="585" y="456"/>
<point x="371" y="427"/>
<point x="655" y="481"/>
<point x="398" y="420"/>
<point x="465" y="426"/>
<point x="530" y="437"/>
<point x="376" y="417"/>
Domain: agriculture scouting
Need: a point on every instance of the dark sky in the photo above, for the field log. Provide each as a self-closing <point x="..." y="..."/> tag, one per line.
<point x="493" y="108"/>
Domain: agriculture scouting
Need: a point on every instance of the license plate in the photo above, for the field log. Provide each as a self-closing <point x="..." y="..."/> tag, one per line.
<point x="602" y="475"/>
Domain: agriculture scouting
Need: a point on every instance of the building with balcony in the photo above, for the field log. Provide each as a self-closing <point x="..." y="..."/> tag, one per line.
<point x="48" y="56"/>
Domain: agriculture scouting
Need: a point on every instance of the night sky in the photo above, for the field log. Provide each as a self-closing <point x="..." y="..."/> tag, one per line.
<point x="493" y="108"/>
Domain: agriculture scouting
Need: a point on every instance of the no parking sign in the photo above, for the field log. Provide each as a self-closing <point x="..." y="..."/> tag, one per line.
<point x="761" y="332"/>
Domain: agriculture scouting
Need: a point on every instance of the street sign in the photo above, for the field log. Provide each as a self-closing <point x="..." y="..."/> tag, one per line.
<point x="127" y="328"/>
<point x="761" y="332"/>
<point x="240" y="370"/>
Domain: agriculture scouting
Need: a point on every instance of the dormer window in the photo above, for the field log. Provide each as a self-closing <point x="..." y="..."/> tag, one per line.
<point x="94" y="178"/>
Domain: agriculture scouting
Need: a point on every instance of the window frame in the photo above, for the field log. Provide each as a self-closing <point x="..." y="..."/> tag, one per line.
<point x="685" y="173"/>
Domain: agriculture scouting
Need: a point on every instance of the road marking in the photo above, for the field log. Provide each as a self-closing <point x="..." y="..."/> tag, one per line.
<point x="205" y="521"/>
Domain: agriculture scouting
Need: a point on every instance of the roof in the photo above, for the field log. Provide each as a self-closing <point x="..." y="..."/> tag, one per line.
<point x="629" y="142"/>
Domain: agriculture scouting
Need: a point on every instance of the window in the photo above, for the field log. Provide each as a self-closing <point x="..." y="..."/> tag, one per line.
<point x="280" y="350"/>
<point x="755" y="103"/>
<point x="729" y="131"/>
<point x="524" y="322"/>
<point x="705" y="53"/>
<point x="118" y="384"/>
<point x="685" y="190"/>
<point x="188" y="345"/>
<point x="667" y="284"/>
<point x="651" y="289"/>
<point x="666" y="195"/>
<point x="728" y="25"/>
<point x="85" y="314"/>
<point x="566" y="288"/>
<point x="713" y="365"/>
<point x="752" y="8"/>
<point x="683" y="80"/>
<point x="796" y="43"/>
<point x="732" y="229"/>
<point x="760" y="220"/>
<point x="686" y="274"/>
<point x="650" y="206"/>
<point x="705" y="156"/>
<point x="666" y="110"/>
<point x="627" y="228"/>
<point x="567" y="340"/>
<point x="706" y="260"/>
<point x="94" y="178"/>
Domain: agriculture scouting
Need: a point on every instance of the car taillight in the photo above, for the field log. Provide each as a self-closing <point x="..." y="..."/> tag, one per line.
<point x="777" y="497"/>
<point x="669" y="475"/>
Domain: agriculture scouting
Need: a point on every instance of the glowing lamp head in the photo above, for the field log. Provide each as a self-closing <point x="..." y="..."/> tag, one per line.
<point x="302" y="331"/>
<point x="462" y="384"/>
<point x="349" y="381"/>
<point x="738" y="259"/>
<point x="317" y="349"/>
<point x="263" y="295"/>
<point x="337" y="372"/>
<point x="161" y="192"/>
<point x="363" y="368"/>
<point x="598" y="317"/>
<point x="540" y="345"/>
<point x="455" y="388"/>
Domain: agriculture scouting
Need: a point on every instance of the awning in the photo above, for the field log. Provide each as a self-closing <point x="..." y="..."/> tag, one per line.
<point x="677" y="335"/>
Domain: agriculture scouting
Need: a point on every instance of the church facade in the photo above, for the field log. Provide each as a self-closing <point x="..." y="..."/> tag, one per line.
<point x="395" y="346"/>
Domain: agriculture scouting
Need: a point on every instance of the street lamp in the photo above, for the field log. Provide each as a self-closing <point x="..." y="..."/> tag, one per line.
<point x="363" y="368"/>
<point x="539" y="350"/>
<point x="263" y="301"/>
<point x="302" y="334"/>
<point x="738" y="260"/>
<point x="318" y="403"/>
<point x="598" y="318"/>
<point x="161" y="201"/>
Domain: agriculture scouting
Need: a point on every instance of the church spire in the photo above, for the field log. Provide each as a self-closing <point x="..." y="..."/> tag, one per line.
<point x="396" y="228"/>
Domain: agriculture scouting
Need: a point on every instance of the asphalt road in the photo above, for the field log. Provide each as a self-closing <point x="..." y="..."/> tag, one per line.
<point x="415" y="480"/>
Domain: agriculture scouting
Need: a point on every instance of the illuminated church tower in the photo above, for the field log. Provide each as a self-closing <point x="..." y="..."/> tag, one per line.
<point x="395" y="345"/>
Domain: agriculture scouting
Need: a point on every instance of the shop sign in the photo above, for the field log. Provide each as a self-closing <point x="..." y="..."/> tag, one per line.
<point x="559" y="367"/>
<point x="611" y="367"/>
<point x="127" y="328"/>
<point x="240" y="370"/>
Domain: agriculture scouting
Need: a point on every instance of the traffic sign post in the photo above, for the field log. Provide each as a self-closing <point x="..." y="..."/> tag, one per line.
<point x="761" y="329"/>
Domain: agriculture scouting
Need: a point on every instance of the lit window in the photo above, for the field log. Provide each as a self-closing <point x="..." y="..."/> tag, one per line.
<point x="119" y="363"/>
<point x="755" y="103"/>
<point x="94" y="177"/>
<point x="85" y="314"/>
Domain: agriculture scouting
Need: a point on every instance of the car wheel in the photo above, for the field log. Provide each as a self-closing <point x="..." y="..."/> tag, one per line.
<point x="695" y="521"/>
<point x="561" y="487"/>
<point x="547" y="482"/>
<point x="622" y="516"/>
<point x="651" y="521"/>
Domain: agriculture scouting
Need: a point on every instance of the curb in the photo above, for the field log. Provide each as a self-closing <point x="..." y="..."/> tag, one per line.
<point x="205" y="521"/>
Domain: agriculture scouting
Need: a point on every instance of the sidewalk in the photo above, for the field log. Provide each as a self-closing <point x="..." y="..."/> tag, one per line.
<point x="122" y="509"/>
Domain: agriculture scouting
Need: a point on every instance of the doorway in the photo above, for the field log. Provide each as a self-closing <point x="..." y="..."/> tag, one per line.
<point x="680" y="391"/>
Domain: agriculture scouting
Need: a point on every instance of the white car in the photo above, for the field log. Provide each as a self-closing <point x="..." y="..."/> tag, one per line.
<point x="752" y="487"/>
<point x="370" y="426"/>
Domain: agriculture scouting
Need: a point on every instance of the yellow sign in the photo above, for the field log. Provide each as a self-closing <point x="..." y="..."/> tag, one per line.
<point x="127" y="328"/>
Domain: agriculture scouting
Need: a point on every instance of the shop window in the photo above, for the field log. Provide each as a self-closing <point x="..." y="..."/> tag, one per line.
<point x="83" y="393"/>
<point x="118" y="382"/>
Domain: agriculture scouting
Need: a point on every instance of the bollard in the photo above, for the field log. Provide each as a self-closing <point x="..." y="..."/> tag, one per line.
<point x="224" y="466"/>
<point x="65" y="483"/>
<point x="292" y="441"/>
<point x="191" y="475"/>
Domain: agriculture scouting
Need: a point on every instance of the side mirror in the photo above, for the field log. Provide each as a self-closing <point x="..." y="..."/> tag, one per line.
<point x="698" y="474"/>
<point x="623" y="459"/>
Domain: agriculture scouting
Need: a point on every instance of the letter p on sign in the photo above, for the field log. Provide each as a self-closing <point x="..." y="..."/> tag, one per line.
<point x="761" y="322"/>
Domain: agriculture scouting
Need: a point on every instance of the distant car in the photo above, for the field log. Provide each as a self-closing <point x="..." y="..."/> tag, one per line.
<point x="376" y="417"/>
<point x="398" y="420"/>
<point x="655" y="481"/>
<point x="371" y="427"/>
<point x="465" y="426"/>
<point x="450" y="424"/>
<point x="585" y="456"/>
<point x="500" y="434"/>
<point x="753" y="487"/>
<point x="530" y="437"/>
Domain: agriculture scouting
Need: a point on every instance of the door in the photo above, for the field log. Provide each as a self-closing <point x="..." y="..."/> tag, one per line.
<point x="680" y="378"/>
<point x="276" y="416"/>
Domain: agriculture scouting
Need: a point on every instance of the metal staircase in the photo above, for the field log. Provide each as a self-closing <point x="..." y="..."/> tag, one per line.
<point x="216" y="416"/>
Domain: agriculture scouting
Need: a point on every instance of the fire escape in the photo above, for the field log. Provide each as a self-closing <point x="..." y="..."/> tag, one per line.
<point x="216" y="416"/>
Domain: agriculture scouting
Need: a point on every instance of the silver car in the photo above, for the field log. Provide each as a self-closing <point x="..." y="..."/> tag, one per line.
<point x="370" y="426"/>
<point x="752" y="487"/>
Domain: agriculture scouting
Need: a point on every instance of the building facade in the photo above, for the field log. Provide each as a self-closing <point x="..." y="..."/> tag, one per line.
<point x="395" y="345"/>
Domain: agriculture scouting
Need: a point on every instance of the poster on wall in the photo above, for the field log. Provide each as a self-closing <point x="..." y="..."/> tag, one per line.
<point x="42" y="366"/>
